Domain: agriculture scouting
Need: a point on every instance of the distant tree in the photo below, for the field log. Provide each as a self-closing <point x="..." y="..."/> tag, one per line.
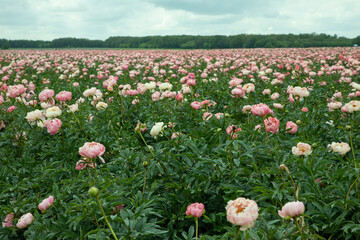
<point x="5" y="45"/>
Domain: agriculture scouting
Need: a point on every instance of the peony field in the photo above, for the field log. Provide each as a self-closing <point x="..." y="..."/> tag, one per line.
<point x="180" y="144"/>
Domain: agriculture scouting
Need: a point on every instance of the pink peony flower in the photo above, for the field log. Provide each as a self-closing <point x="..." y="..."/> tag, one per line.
<point x="305" y="109"/>
<point x="155" y="96"/>
<point x="25" y="220"/>
<point x="292" y="209"/>
<point x="92" y="150"/>
<point x="272" y="125"/>
<point x="291" y="126"/>
<point x="260" y="109"/>
<point x="8" y="220"/>
<point x="242" y="212"/>
<point x="207" y="116"/>
<point x="16" y="90"/>
<point x="238" y="92"/>
<point x="195" y="105"/>
<point x="63" y="96"/>
<point x="11" y="109"/>
<point x="46" y="94"/>
<point x="179" y="97"/>
<point x="53" y="126"/>
<point x="195" y="210"/>
<point x="232" y="130"/>
<point x="46" y="203"/>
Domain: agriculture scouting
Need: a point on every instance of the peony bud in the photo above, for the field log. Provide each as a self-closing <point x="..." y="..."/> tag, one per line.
<point x="93" y="191"/>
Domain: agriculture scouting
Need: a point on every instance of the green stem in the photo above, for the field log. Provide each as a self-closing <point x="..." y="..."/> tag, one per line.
<point x="197" y="227"/>
<point x="267" y="137"/>
<point x="352" y="148"/>
<point x="144" y="182"/>
<point x="347" y="195"/>
<point x="297" y="224"/>
<point x="312" y="175"/>
<point x="103" y="213"/>
<point x="146" y="143"/>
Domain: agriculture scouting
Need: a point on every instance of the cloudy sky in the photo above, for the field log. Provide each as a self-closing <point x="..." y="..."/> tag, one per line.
<point x="100" y="19"/>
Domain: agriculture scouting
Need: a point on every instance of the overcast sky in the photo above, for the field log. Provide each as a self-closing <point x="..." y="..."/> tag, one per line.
<point x="100" y="19"/>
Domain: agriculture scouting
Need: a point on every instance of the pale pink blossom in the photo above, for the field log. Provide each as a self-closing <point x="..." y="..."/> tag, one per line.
<point x="195" y="105"/>
<point x="46" y="94"/>
<point x="238" y="92"/>
<point x="341" y="148"/>
<point x="92" y="150"/>
<point x="219" y="115"/>
<point x="63" y="96"/>
<point x="278" y="106"/>
<point x="292" y="209"/>
<point x="155" y="96"/>
<point x="25" y="220"/>
<point x="291" y="127"/>
<point x="275" y="96"/>
<point x="247" y="109"/>
<point x="46" y="203"/>
<point x="260" y="109"/>
<point x="16" y="90"/>
<point x="53" y="126"/>
<point x="207" y="116"/>
<point x="266" y="92"/>
<point x="7" y="222"/>
<point x="301" y="149"/>
<point x="242" y="212"/>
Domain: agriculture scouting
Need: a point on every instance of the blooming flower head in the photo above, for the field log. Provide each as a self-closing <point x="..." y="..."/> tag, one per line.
<point x="272" y="125"/>
<point x="34" y="116"/>
<point x="341" y="148"/>
<point x="195" y="210"/>
<point x="242" y="212"/>
<point x="7" y="222"/>
<point x="156" y="129"/>
<point x="53" y="112"/>
<point x="53" y="126"/>
<point x="195" y="105"/>
<point x="46" y="203"/>
<point x="301" y="149"/>
<point x="63" y="96"/>
<point x="260" y="109"/>
<point x="25" y="220"/>
<point x="101" y="106"/>
<point x="291" y="127"/>
<point x="92" y="150"/>
<point x="45" y="94"/>
<point x="292" y="209"/>
<point x="16" y="90"/>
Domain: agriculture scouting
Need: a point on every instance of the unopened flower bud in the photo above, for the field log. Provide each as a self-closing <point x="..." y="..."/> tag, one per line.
<point x="93" y="191"/>
<point x="298" y="122"/>
<point x="283" y="167"/>
<point x="145" y="163"/>
<point x="314" y="145"/>
<point x="348" y="127"/>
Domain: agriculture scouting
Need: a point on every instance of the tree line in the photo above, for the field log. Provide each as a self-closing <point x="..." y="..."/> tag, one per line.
<point x="193" y="42"/>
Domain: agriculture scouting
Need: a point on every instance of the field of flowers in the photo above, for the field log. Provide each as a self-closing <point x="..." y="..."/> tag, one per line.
<point x="166" y="144"/>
